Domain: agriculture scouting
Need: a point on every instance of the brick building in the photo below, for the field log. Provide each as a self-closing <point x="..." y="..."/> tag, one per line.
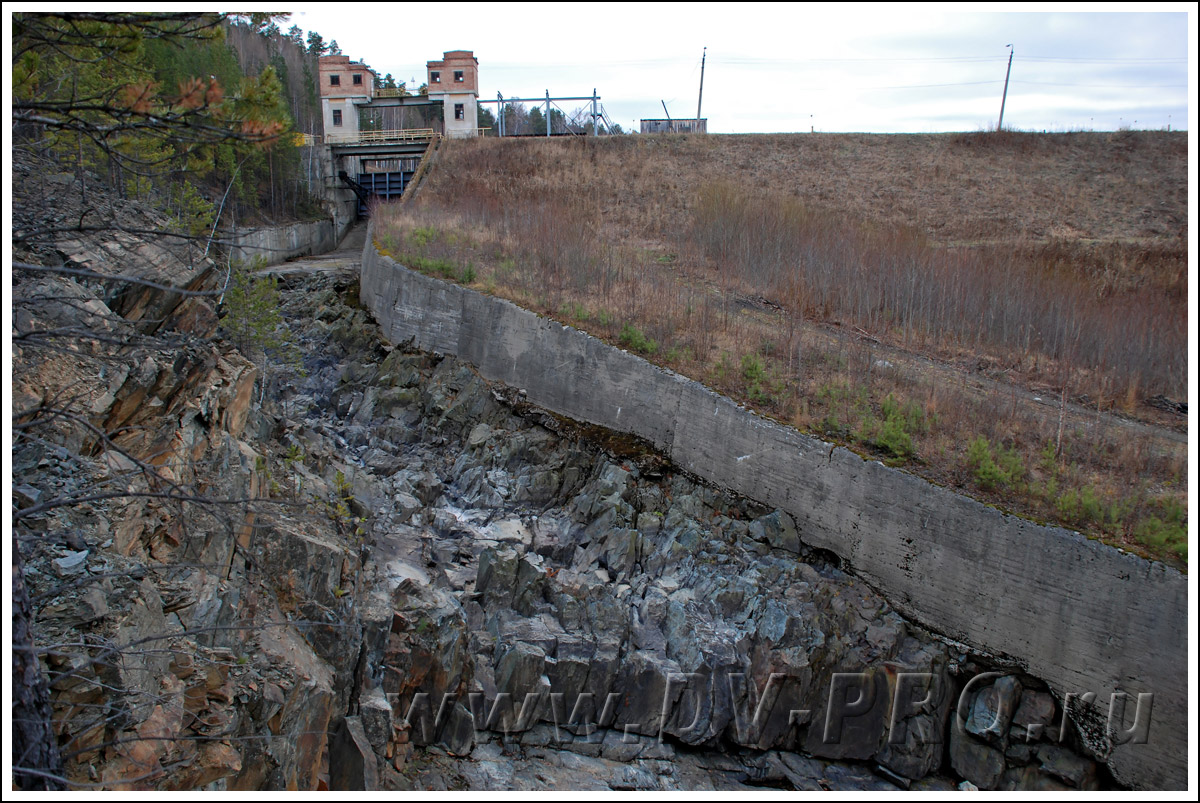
<point x="344" y="84"/>
<point x="455" y="81"/>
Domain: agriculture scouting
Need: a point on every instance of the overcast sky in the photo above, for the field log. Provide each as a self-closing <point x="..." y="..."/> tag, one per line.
<point x="793" y="67"/>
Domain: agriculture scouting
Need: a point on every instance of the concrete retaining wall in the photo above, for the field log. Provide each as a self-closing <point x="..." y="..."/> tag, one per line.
<point x="339" y="200"/>
<point x="281" y="243"/>
<point x="1081" y="616"/>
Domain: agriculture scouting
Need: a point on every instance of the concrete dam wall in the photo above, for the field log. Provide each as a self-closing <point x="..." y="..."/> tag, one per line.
<point x="1107" y="631"/>
<point x="280" y="243"/>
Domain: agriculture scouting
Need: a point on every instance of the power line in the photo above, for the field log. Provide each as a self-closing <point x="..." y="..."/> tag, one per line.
<point x="1086" y="60"/>
<point x="998" y="81"/>
<point x="1107" y="86"/>
<point x="1003" y="57"/>
<point x="765" y="61"/>
<point x="926" y="86"/>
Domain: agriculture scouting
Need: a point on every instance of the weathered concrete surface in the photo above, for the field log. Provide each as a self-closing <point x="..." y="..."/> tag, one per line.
<point x="1080" y="615"/>
<point x="280" y="243"/>
<point x="345" y="259"/>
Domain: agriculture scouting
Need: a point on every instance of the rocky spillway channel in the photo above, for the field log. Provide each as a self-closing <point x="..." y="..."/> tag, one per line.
<point x="548" y="606"/>
<point x="396" y="575"/>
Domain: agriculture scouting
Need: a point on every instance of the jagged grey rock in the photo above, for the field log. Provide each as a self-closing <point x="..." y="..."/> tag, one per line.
<point x="933" y="553"/>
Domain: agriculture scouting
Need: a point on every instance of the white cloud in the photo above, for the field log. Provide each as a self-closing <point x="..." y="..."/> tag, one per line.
<point x="786" y="67"/>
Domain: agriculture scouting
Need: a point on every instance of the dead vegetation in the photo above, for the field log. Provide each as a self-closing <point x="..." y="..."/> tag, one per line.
<point x="988" y="311"/>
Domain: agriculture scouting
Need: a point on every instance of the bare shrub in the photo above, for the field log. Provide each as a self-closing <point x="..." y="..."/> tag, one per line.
<point x="826" y="318"/>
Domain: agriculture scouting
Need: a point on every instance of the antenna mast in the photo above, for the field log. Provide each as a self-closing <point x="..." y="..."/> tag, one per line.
<point x="700" y="100"/>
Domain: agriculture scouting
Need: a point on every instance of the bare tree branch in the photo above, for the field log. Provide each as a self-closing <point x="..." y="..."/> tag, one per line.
<point x="89" y="274"/>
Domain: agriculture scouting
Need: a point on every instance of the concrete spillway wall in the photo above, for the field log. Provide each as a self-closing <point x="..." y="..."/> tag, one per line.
<point x="280" y="243"/>
<point x="1086" y="618"/>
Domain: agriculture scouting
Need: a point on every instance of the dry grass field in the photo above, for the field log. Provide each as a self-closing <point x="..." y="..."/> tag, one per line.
<point x="1004" y="313"/>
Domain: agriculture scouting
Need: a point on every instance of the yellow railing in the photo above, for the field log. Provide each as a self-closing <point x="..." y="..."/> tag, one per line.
<point x="376" y="137"/>
<point x="392" y="92"/>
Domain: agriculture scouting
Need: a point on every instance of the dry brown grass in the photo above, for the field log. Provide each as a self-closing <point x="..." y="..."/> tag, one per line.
<point x="905" y="295"/>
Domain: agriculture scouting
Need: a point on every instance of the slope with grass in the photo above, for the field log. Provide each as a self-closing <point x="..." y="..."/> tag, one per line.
<point x="1003" y="314"/>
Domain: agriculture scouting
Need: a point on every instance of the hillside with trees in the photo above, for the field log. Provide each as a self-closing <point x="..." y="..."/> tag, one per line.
<point x="199" y="112"/>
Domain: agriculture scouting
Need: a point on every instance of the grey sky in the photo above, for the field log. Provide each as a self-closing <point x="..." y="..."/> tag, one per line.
<point x="792" y="67"/>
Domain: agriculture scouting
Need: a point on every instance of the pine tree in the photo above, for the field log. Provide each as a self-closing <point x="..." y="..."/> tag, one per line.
<point x="316" y="44"/>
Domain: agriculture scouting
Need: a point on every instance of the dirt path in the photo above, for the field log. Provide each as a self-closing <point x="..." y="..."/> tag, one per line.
<point x="1166" y="431"/>
<point x="1046" y="404"/>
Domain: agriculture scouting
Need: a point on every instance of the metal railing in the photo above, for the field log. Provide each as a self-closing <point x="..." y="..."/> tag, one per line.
<point x="379" y="137"/>
<point x="459" y="133"/>
<point x="395" y="92"/>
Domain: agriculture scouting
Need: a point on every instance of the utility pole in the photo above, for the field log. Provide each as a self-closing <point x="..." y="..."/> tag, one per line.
<point x="593" y="111"/>
<point x="1004" y="97"/>
<point x="547" y="112"/>
<point x="700" y="100"/>
<point x="499" y="114"/>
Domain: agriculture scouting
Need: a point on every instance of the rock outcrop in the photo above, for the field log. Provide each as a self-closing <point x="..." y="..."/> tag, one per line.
<point x="1099" y="626"/>
<point x="192" y="630"/>
<point x="392" y="574"/>
<point x="530" y="593"/>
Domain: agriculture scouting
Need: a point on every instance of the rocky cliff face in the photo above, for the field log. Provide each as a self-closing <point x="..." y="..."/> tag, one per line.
<point x="393" y="574"/>
<point x="552" y="604"/>
<point x="1100" y="626"/>
<point x="178" y="649"/>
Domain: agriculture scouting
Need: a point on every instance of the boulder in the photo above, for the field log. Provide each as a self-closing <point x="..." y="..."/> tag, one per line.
<point x="1034" y="715"/>
<point x="979" y="763"/>
<point x="352" y="765"/>
<point x="375" y="713"/>
<point x="992" y="710"/>
<point x="778" y="530"/>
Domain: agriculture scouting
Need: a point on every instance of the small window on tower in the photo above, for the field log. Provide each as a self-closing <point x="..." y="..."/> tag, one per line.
<point x="435" y="77"/>
<point x="459" y="112"/>
<point x="337" y="116"/>
<point x="458" y="76"/>
<point x="335" y="80"/>
<point x="358" y="79"/>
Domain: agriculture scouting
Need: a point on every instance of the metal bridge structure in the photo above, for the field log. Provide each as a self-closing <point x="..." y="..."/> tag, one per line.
<point x="574" y="127"/>
<point x="381" y="161"/>
<point x="379" y="164"/>
<point x="380" y="139"/>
